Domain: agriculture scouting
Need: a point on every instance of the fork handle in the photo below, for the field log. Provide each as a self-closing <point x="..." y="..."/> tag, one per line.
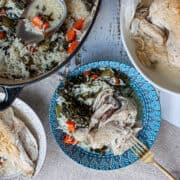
<point x="163" y="170"/>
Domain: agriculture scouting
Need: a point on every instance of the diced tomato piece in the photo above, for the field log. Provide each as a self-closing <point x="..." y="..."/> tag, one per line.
<point x="70" y="140"/>
<point x="94" y="76"/>
<point x="46" y="25"/>
<point x="2" y="12"/>
<point x="71" y="35"/>
<point x="79" y="24"/>
<point x="1" y="164"/>
<point x="117" y="80"/>
<point x="86" y="73"/>
<point x="72" y="47"/>
<point x="46" y="34"/>
<point x="33" y="49"/>
<point x="37" y="22"/>
<point x="2" y="35"/>
<point x="71" y="126"/>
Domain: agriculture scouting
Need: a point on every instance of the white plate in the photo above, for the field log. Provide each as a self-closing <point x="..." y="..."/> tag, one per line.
<point x="32" y="121"/>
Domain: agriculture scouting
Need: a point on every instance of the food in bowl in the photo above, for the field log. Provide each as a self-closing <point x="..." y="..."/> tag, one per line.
<point x="155" y="31"/>
<point x="18" y="146"/>
<point x="97" y="111"/>
<point x="23" y="61"/>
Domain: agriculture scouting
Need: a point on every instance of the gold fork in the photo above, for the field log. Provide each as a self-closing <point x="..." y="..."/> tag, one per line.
<point x="147" y="156"/>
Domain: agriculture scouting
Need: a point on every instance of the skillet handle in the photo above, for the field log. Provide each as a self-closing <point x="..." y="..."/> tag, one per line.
<point x="10" y="96"/>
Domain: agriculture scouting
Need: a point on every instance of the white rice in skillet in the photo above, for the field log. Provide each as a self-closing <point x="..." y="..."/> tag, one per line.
<point x="20" y="61"/>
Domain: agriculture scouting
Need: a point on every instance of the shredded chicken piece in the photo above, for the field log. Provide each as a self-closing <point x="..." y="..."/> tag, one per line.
<point x="166" y="14"/>
<point x="112" y="123"/>
<point x="161" y="23"/>
<point x="153" y="31"/>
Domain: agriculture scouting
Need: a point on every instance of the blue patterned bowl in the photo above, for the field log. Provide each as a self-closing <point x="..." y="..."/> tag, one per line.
<point x="150" y="116"/>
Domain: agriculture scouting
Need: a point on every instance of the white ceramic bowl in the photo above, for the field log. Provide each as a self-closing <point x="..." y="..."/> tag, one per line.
<point x="158" y="79"/>
<point x="32" y="121"/>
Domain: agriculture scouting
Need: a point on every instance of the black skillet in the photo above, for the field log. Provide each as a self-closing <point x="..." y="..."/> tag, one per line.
<point x="12" y="88"/>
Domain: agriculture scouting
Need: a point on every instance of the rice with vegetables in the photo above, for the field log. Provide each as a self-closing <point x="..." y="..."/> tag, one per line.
<point x="22" y="61"/>
<point x="98" y="111"/>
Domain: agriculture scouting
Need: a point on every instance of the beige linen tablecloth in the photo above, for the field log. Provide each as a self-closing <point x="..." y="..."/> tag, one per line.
<point x="59" y="167"/>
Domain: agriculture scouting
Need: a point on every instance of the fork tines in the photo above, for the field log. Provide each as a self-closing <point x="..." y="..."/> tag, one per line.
<point x="138" y="148"/>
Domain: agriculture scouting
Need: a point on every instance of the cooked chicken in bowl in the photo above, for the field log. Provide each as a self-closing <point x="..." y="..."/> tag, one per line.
<point x="155" y="30"/>
<point x="98" y="112"/>
<point x="151" y="36"/>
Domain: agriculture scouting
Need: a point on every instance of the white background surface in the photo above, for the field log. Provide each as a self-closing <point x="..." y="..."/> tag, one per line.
<point x="103" y="43"/>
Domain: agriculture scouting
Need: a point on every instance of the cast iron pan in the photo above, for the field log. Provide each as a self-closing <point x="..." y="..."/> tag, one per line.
<point x="13" y="89"/>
